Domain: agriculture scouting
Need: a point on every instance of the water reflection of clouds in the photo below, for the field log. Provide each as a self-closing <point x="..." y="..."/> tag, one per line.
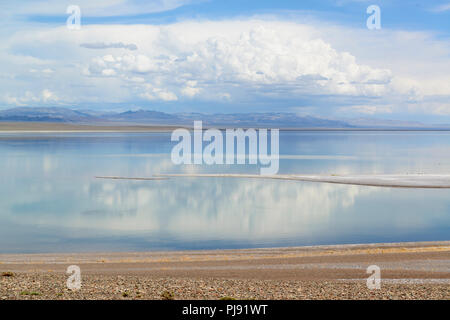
<point x="55" y="188"/>
<point x="109" y="213"/>
<point x="206" y="208"/>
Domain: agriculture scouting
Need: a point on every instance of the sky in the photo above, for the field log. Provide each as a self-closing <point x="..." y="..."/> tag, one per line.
<point x="316" y="58"/>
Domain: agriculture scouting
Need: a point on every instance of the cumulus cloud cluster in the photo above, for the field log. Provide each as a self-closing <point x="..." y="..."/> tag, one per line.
<point x="259" y="61"/>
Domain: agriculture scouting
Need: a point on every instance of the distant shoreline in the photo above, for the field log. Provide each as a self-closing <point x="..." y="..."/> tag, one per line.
<point x="52" y="127"/>
<point x="260" y="253"/>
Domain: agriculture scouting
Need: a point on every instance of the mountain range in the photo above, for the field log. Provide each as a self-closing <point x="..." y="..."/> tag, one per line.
<point x="148" y="117"/>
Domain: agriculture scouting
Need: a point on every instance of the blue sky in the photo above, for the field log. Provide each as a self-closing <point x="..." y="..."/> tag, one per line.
<point x="309" y="57"/>
<point x="406" y="14"/>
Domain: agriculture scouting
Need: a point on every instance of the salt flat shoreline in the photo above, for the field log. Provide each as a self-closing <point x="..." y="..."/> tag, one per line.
<point x="431" y="181"/>
<point x="413" y="270"/>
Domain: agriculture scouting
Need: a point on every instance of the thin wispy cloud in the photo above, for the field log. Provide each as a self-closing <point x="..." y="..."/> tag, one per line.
<point x="442" y="8"/>
<point x="89" y="8"/>
<point x="102" y="45"/>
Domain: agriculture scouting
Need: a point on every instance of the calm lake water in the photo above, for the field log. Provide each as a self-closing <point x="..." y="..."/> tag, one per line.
<point x="50" y="200"/>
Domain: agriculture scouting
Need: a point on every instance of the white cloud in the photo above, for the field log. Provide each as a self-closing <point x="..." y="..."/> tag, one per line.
<point x="108" y="72"/>
<point x="159" y="94"/>
<point x="440" y="108"/>
<point x="190" y="89"/>
<point x="48" y="96"/>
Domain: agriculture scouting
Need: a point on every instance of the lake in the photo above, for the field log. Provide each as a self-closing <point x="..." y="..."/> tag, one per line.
<point x="50" y="200"/>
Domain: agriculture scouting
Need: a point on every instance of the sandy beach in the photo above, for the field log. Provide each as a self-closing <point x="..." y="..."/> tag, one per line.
<point x="419" y="270"/>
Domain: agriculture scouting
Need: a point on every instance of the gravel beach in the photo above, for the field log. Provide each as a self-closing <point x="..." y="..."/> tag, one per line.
<point x="408" y="271"/>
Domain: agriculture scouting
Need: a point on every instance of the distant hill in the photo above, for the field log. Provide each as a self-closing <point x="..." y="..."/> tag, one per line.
<point x="143" y="116"/>
<point x="237" y="119"/>
<point x="160" y="118"/>
<point x="148" y="117"/>
<point x="45" y="115"/>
